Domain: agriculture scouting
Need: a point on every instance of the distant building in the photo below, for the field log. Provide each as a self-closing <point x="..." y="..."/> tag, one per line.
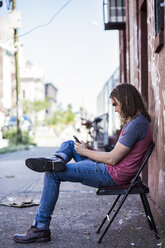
<point x="104" y="104"/>
<point x="32" y="82"/>
<point x="32" y="85"/>
<point x="51" y="94"/>
<point x="7" y="70"/>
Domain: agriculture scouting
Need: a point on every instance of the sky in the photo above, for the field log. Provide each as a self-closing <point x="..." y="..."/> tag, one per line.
<point x="77" y="55"/>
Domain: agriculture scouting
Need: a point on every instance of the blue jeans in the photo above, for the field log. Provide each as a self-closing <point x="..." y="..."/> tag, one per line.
<point x="84" y="170"/>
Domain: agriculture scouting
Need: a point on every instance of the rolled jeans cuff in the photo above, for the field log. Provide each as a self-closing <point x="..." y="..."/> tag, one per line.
<point x="40" y="226"/>
<point x="62" y="155"/>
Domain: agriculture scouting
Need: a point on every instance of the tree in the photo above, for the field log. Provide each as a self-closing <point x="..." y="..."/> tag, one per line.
<point x="35" y="107"/>
<point x="62" y="116"/>
<point x="69" y="115"/>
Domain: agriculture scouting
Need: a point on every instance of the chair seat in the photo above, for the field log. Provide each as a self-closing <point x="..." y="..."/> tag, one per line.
<point x="121" y="190"/>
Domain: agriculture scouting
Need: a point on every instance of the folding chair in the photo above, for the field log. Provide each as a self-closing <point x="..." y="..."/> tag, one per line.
<point x="135" y="187"/>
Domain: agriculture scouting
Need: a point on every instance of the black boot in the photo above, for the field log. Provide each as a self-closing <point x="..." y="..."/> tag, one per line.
<point x="42" y="164"/>
<point x="33" y="234"/>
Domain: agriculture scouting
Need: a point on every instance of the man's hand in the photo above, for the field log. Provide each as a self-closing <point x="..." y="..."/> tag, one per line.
<point x="89" y="147"/>
<point x="80" y="147"/>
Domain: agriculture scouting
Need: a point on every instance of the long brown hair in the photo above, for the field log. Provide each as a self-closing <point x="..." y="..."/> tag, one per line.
<point x="131" y="102"/>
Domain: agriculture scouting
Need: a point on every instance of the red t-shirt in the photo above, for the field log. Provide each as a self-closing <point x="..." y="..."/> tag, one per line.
<point x="138" y="136"/>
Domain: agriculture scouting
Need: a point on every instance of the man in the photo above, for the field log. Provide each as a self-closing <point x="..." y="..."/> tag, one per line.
<point x="93" y="168"/>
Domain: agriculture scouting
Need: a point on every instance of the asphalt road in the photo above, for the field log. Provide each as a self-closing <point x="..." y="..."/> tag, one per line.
<point x="15" y="177"/>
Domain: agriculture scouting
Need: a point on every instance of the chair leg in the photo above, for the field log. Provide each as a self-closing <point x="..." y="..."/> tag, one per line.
<point x="113" y="217"/>
<point x="149" y="215"/>
<point x="108" y="213"/>
<point x="146" y="210"/>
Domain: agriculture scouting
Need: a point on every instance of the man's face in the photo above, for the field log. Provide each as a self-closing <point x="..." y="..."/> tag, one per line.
<point x="116" y="104"/>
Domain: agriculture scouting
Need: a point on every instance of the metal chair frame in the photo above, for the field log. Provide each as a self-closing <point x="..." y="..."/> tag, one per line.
<point x="135" y="187"/>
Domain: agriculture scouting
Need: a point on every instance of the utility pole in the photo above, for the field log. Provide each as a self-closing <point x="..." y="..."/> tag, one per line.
<point x="19" y="135"/>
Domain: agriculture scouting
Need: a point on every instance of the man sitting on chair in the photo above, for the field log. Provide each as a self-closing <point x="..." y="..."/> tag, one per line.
<point x="93" y="168"/>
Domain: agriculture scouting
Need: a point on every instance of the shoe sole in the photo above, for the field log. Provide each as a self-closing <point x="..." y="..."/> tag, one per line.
<point x="41" y="165"/>
<point x="37" y="240"/>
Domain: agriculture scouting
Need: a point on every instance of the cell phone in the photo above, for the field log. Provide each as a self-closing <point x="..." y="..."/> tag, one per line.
<point x="76" y="139"/>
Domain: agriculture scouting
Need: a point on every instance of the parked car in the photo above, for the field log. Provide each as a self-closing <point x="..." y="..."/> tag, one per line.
<point x="11" y="122"/>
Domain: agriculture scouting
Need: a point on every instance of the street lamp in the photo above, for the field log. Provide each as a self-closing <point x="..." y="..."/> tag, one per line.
<point x="114" y="14"/>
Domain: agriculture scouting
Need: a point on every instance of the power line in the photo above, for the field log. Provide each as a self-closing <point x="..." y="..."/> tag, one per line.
<point x="46" y="24"/>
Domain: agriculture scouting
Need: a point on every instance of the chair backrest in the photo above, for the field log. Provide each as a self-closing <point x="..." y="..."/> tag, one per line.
<point x="145" y="159"/>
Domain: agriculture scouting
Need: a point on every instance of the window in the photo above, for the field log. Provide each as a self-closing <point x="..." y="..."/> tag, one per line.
<point x="159" y="25"/>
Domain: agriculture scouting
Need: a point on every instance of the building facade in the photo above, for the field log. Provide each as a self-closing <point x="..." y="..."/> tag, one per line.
<point x="32" y="87"/>
<point x="104" y="105"/>
<point x="7" y="70"/>
<point x="142" y="63"/>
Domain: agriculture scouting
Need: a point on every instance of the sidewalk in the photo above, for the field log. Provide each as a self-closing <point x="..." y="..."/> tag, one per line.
<point x="76" y="217"/>
<point x="75" y="220"/>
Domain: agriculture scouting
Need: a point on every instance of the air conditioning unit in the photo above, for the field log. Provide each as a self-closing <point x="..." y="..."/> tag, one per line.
<point x="114" y="14"/>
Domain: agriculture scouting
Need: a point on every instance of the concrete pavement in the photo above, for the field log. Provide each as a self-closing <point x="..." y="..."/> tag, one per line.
<point x="77" y="214"/>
